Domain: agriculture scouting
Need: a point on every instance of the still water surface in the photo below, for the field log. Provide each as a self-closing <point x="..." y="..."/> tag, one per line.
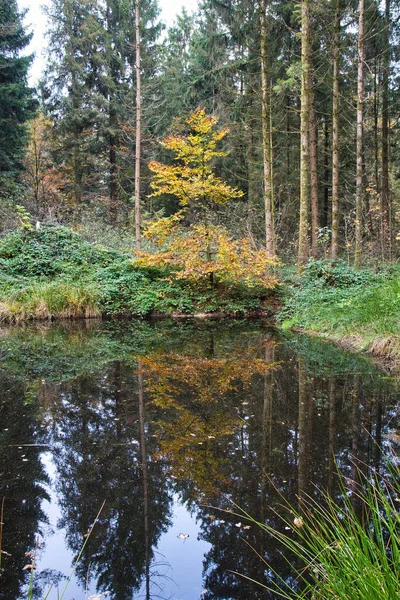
<point x="171" y="425"/>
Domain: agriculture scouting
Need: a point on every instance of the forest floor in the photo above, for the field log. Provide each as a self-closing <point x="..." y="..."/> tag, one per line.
<point x="360" y="310"/>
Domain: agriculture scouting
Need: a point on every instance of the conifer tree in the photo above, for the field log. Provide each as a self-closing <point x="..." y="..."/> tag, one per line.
<point x="92" y="88"/>
<point x="16" y="97"/>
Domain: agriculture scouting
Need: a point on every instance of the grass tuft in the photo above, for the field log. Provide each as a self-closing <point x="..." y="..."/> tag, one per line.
<point x="348" y="551"/>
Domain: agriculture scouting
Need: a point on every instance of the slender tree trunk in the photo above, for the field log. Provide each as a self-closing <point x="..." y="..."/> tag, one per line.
<point x="251" y="193"/>
<point x="314" y="173"/>
<point x="113" y="126"/>
<point x="112" y="154"/>
<point x="266" y="135"/>
<point x="138" y="128"/>
<point x="304" y="132"/>
<point x="335" y="136"/>
<point x="359" y="149"/>
<point x="326" y="207"/>
<point x="386" y="234"/>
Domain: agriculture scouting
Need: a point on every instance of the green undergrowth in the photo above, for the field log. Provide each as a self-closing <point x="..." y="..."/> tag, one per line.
<point x="359" y="308"/>
<point x="54" y="272"/>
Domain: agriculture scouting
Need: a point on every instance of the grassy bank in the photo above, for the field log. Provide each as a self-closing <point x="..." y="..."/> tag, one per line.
<point x="55" y="273"/>
<point x="358" y="309"/>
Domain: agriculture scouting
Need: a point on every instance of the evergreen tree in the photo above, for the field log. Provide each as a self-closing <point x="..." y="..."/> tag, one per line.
<point x="16" y="97"/>
<point x="91" y="92"/>
<point x="73" y="71"/>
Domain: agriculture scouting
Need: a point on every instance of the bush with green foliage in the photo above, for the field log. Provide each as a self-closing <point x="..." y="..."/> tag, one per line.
<point x="53" y="272"/>
<point x="329" y="296"/>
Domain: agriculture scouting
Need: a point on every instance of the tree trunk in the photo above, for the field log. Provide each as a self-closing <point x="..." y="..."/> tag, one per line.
<point x="113" y="127"/>
<point x="314" y="174"/>
<point x="359" y="148"/>
<point x="112" y="154"/>
<point x="304" y="133"/>
<point x="335" y="136"/>
<point x="266" y="135"/>
<point x="386" y="234"/>
<point x="138" y="129"/>
<point x="326" y="207"/>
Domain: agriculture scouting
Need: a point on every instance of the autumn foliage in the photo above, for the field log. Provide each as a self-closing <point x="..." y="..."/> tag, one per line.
<point x="191" y="178"/>
<point x="201" y="251"/>
<point x="191" y="390"/>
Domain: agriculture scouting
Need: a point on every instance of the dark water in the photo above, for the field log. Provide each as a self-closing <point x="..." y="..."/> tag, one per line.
<point x="168" y="423"/>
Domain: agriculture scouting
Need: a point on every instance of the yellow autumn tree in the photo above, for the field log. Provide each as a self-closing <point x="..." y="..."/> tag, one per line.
<point x="202" y="250"/>
<point x="191" y="178"/>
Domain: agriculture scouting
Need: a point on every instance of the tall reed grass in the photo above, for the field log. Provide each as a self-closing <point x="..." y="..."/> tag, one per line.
<point x="50" y="299"/>
<point x="348" y="550"/>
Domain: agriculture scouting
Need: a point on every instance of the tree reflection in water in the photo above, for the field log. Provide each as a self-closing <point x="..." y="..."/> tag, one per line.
<point x="210" y="416"/>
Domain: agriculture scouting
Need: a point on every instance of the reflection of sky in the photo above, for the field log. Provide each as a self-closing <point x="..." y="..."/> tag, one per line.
<point x="176" y="569"/>
<point x="36" y="22"/>
<point x="55" y="555"/>
<point x="184" y="557"/>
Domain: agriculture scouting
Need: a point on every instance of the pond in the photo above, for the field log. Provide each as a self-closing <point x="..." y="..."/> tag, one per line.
<point x="166" y="428"/>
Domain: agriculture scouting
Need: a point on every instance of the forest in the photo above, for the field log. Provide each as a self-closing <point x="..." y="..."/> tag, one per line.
<point x="241" y="165"/>
<point x="250" y="148"/>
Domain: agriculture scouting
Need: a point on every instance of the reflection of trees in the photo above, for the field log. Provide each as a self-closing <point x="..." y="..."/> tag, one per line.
<point x="208" y="411"/>
<point x="294" y="447"/>
<point x="305" y="428"/>
<point x="21" y="484"/>
<point x="100" y="452"/>
<point x="196" y="394"/>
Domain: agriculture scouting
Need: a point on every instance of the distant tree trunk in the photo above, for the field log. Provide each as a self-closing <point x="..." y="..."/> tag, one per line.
<point x="112" y="154"/>
<point x="304" y="133"/>
<point x="335" y="136"/>
<point x="359" y="148"/>
<point x="326" y="208"/>
<point x="266" y="135"/>
<point x="113" y="127"/>
<point x="251" y="188"/>
<point x="386" y="234"/>
<point x="138" y="129"/>
<point x="314" y="173"/>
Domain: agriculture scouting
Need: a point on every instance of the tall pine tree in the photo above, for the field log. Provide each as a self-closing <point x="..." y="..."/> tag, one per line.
<point x="16" y="97"/>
